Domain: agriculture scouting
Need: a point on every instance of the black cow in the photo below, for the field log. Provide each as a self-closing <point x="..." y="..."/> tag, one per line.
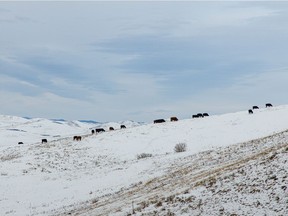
<point x="173" y="119"/>
<point x="111" y="128"/>
<point x="205" y="114"/>
<point x="195" y="116"/>
<point x="92" y="131"/>
<point x="250" y="111"/>
<point x="44" y="141"/>
<point x="255" y="107"/>
<point x="269" y="105"/>
<point x="159" y="121"/>
<point x="98" y="130"/>
<point x="19" y="143"/>
<point x="200" y="115"/>
<point x="122" y="126"/>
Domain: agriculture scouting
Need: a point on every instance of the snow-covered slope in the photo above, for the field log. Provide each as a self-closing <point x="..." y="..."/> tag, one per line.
<point x="66" y="176"/>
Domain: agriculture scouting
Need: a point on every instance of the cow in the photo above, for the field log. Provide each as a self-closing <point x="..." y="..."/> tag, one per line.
<point x="19" y="143"/>
<point x="159" y="121"/>
<point x="44" y="141"/>
<point x="92" y="131"/>
<point x="250" y="111"/>
<point x="200" y="115"/>
<point x="111" y="128"/>
<point x="77" y="138"/>
<point x="173" y="119"/>
<point x="195" y="116"/>
<point x="205" y="114"/>
<point x="255" y="107"/>
<point x="269" y="105"/>
<point x="122" y="126"/>
<point x="98" y="130"/>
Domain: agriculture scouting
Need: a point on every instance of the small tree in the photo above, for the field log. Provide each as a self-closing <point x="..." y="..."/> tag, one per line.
<point x="180" y="147"/>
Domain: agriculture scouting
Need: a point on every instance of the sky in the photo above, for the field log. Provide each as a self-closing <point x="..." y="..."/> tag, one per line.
<point x="124" y="60"/>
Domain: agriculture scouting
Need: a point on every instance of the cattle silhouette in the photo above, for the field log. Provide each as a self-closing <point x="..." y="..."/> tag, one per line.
<point x="255" y="107"/>
<point x="159" y="121"/>
<point x="44" y="141"/>
<point x="19" y="143"/>
<point x="111" y="128"/>
<point x="173" y="119"/>
<point x="92" y="131"/>
<point x="269" y="105"/>
<point x="205" y="114"/>
<point x="99" y="130"/>
<point x="195" y="116"/>
<point x="200" y="115"/>
<point x="122" y="126"/>
<point x="250" y="111"/>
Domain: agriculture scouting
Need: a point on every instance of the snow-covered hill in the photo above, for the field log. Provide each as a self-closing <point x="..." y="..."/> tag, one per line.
<point x="103" y="175"/>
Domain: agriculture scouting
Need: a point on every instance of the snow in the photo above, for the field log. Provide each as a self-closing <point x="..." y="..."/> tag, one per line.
<point x="67" y="176"/>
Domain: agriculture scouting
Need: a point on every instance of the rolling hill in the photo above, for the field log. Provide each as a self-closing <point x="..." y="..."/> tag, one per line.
<point x="235" y="163"/>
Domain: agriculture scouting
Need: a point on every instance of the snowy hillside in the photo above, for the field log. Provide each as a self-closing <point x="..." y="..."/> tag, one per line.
<point x="227" y="156"/>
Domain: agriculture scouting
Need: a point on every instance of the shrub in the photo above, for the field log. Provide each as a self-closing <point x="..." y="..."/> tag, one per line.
<point x="180" y="147"/>
<point x="143" y="155"/>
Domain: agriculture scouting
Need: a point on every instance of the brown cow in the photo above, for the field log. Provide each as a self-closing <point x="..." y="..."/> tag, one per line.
<point x="173" y="119"/>
<point x="77" y="138"/>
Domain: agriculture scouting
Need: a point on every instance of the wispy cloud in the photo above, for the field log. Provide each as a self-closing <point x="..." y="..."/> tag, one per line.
<point x="117" y="60"/>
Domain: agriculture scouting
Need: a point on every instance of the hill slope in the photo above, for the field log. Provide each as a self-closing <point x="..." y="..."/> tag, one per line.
<point x="65" y="176"/>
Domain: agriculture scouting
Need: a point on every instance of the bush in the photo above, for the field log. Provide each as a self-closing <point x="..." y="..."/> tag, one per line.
<point x="180" y="147"/>
<point x="143" y="155"/>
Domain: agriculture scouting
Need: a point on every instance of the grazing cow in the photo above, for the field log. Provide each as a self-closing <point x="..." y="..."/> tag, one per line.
<point x="159" y="121"/>
<point x="92" y="131"/>
<point x="269" y="105"/>
<point x="200" y="115"/>
<point x="195" y="116"/>
<point x="98" y="130"/>
<point x="44" y="141"/>
<point x="255" y="107"/>
<point x="122" y="126"/>
<point x="173" y="119"/>
<point x="19" y="143"/>
<point x="250" y="111"/>
<point x="205" y="114"/>
<point x="111" y="128"/>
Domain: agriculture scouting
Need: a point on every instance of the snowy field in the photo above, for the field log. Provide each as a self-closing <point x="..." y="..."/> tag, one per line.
<point x="102" y="174"/>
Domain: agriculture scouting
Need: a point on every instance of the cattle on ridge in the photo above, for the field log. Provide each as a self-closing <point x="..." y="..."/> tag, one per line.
<point x="255" y="107"/>
<point x="122" y="126"/>
<point x="173" y="119"/>
<point x="269" y="105"/>
<point x="250" y="111"/>
<point x="159" y="121"/>
<point x="99" y="130"/>
<point x="44" y="141"/>
<point x="200" y="115"/>
<point x="205" y="114"/>
<point x="111" y="128"/>
<point x="20" y="143"/>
